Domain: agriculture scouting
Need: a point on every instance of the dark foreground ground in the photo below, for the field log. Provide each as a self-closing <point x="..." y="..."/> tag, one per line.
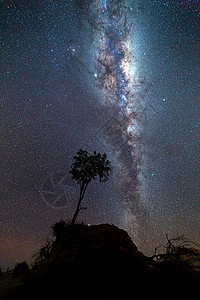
<point x="100" y="262"/>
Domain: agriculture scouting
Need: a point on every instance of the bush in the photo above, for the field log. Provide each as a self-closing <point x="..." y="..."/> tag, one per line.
<point x="41" y="257"/>
<point x="60" y="228"/>
<point x="21" y="269"/>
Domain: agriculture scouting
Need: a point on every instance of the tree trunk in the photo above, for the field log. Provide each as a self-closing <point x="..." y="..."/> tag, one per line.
<point x="76" y="212"/>
<point x="82" y="193"/>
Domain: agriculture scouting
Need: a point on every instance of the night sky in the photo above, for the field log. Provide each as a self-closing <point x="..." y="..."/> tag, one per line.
<point x="118" y="77"/>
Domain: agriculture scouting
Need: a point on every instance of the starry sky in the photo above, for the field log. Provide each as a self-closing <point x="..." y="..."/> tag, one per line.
<point x="118" y="77"/>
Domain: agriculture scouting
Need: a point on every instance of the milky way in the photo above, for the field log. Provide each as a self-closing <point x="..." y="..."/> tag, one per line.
<point x="118" y="78"/>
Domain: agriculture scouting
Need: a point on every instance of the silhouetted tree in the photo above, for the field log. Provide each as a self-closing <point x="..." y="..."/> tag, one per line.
<point x="87" y="167"/>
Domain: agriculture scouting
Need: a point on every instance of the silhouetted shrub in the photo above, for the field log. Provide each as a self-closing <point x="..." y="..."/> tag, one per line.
<point x="60" y="228"/>
<point x="1" y="274"/>
<point x="178" y="250"/>
<point x="21" y="269"/>
<point x="42" y="255"/>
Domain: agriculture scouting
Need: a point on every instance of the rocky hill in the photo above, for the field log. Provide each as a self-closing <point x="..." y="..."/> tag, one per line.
<point x="101" y="262"/>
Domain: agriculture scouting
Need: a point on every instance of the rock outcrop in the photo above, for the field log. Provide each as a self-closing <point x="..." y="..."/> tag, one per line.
<point x="97" y="262"/>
